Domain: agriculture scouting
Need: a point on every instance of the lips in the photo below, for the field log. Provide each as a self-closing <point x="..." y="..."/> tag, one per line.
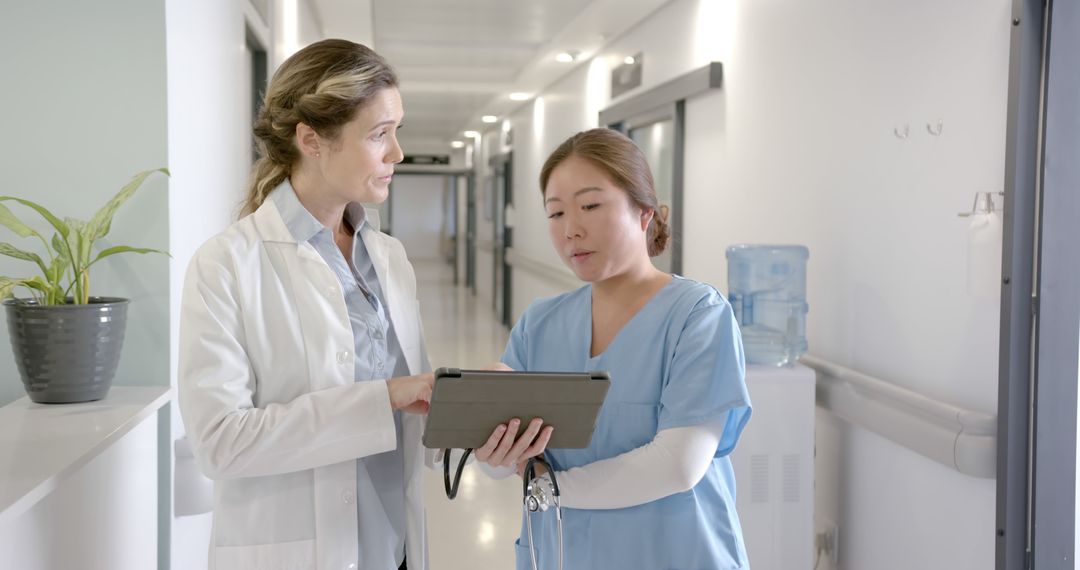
<point x="580" y="255"/>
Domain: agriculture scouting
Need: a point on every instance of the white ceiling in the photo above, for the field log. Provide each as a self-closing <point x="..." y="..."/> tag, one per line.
<point x="460" y="59"/>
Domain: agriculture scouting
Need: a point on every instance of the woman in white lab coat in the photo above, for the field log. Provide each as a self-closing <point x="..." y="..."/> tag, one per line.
<point x="303" y="375"/>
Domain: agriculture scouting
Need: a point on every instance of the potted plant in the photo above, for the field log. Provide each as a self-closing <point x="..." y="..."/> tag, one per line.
<point x="66" y="342"/>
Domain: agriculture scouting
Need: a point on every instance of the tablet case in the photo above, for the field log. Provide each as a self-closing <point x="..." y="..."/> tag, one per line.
<point x="467" y="405"/>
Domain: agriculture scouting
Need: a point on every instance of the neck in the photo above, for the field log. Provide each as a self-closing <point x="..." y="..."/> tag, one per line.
<point x="630" y="283"/>
<point x="322" y="204"/>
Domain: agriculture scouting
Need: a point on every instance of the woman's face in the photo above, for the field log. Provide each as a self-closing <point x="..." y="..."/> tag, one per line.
<point x="593" y="225"/>
<point x="358" y="165"/>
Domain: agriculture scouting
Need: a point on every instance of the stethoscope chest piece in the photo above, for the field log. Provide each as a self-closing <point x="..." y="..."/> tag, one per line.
<point x="540" y="494"/>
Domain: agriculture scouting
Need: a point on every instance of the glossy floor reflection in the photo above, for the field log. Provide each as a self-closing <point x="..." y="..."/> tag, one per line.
<point x="478" y="528"/>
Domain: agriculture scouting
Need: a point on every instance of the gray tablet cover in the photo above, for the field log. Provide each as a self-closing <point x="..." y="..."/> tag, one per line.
<point x="467" y="405"/>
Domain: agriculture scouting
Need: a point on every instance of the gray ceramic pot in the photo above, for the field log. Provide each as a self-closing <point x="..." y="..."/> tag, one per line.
<point x="67" y="353"/>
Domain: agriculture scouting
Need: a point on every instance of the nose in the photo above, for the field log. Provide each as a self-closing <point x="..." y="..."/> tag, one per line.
<point x="572" y="229"/>
<point x="395" y="155"/>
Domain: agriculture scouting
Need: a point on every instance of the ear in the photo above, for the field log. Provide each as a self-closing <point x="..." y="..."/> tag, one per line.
<point x="307" y="140"/>
<point x="646" y="218"/>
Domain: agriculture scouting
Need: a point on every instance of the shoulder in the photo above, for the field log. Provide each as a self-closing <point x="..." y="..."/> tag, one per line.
<point x="230" y="245"/>
<point x="391" y="244"/>
<point x="696" y="297"/>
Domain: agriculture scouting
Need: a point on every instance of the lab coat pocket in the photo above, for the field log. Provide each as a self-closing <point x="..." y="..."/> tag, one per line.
<point x="295" y="555"/>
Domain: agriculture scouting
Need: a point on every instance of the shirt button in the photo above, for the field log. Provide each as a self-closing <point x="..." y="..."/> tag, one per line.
<point x="378" y="334"/>
<point x="343" y="357"/>
<point x="347" y="497"/>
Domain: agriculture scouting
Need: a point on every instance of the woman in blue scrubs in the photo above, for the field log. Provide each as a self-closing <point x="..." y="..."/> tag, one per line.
<point x="655" y="489"/>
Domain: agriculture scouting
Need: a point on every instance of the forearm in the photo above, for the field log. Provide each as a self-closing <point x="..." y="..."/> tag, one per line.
<point x="673" y="462"/>
<point x="315" y="429"/>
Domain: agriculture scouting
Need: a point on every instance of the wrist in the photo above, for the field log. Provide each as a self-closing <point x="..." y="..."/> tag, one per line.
<point x="394" y="405"/>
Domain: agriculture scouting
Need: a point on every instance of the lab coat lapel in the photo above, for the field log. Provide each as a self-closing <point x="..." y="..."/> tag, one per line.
<point x="392" y="270"/>
<point x="380" y="258"/>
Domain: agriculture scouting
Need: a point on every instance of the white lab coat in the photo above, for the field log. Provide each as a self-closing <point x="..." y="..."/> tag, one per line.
<point x="269" y="402"/>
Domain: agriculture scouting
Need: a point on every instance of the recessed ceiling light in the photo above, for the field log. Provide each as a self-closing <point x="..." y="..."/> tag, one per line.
<point x="568" y="56"/>
<point x="457" y="144"/>
<point x="520" y="96"/>
<point x="629" y="60"/>
<point x="472" y="134"/>
<point x="489" y="119"/>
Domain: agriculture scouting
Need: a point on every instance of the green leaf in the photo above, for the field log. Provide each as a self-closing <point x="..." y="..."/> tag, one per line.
<point x="8" y="285"/>
<point x="63" y="252"/>
<point x="100" y="224"/>
<point x="12" y="251"/>
<point x="56" y="270"/>
<point x="125" y="249"/>
<point x="79" y="242"/>
<point x="53" y="220"/>
<point x="36" y="283"/>
<point x="13" y="223"/>
<point x="62" y="248"/>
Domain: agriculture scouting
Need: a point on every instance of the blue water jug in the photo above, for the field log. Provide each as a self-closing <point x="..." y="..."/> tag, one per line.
<point x="767" y="290"/>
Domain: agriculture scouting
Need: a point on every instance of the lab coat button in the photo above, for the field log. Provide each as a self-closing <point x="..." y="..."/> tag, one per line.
<point x="331" y="291"/>
<point x="343" y="357"/>
<point x="351" y="567"/>
<point x="347" y="497"/>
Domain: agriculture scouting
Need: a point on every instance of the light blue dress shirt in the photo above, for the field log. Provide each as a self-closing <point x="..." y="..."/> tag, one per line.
<point x="678" y="362"/>
<point x="380" y="479"/>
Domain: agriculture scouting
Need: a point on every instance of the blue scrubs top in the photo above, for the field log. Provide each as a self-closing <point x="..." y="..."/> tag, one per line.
<point x="678" y="362"/>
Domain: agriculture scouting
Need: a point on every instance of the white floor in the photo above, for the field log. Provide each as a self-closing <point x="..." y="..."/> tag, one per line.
<point x="478" y="528"/>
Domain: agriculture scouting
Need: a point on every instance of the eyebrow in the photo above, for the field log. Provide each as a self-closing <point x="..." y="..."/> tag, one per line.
<point x="386" y="122"/>
<point x="576" y="194"/>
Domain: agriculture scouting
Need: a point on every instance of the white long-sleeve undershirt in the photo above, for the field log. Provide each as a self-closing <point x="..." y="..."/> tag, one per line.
<point x="673" y="462"/>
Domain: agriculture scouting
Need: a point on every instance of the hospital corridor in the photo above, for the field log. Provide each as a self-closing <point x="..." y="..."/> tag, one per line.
<point x="478" y="531"/>
<point x="540" y="285"/>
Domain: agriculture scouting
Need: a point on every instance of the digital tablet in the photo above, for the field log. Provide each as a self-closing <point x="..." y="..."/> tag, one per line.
<point x="467" y="405"/>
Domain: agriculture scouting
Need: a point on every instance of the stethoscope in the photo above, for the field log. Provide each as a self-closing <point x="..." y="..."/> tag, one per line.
<point x="540" y="497"/>
<point x="537" y="495"/>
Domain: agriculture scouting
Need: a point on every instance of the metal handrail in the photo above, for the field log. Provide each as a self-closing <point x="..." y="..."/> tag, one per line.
<point x="956" y="437"/>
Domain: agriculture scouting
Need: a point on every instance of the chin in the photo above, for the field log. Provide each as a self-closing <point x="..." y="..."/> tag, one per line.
<point x="587" y="275"/>
<point x="373" y="196"/>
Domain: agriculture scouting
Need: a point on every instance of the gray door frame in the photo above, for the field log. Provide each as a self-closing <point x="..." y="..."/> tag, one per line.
<point x="667" y="100"/>
<point x="452" y="176"/>
<point x="502" y="272"/>
<point x="1040" y="302"/>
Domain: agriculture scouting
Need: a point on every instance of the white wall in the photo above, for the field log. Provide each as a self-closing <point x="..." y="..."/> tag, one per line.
<point x="798" y="146"/>
<point x="417" y="214"/>
<point x="210" y="117"/>
<point x="210" y="155"/>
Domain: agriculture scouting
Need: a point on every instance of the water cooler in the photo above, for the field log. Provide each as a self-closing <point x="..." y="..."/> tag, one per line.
<point x="774" y="460"/>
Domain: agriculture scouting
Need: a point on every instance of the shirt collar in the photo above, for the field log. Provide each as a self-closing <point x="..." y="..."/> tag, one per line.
<point x="302" y="225"/>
